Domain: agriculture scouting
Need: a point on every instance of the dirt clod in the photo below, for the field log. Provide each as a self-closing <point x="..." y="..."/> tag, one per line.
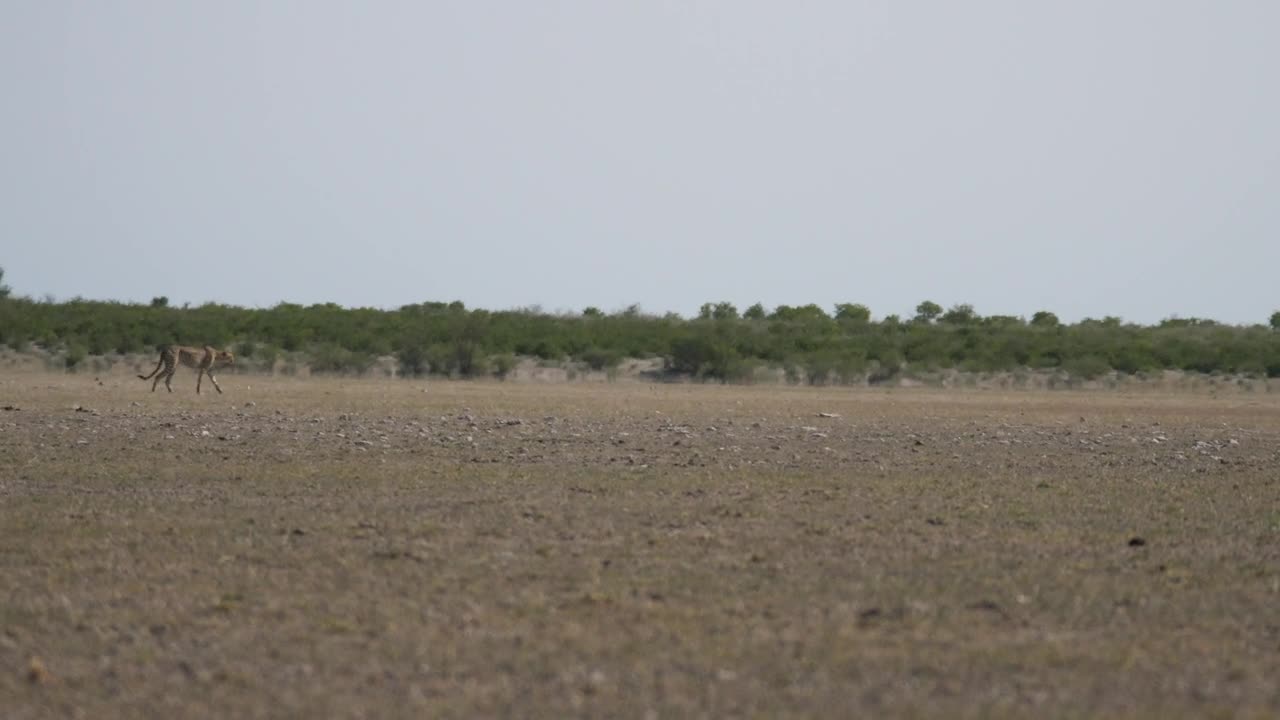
<point x="37" y="673"/>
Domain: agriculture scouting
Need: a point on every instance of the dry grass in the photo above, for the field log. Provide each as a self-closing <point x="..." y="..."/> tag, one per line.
<point x="366" y="549"/>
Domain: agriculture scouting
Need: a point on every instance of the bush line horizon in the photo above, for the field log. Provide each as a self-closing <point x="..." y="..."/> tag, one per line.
<point x="721" y="344"/>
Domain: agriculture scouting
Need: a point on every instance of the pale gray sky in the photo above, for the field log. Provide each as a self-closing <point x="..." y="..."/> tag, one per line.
<point x="1091" y="157"/>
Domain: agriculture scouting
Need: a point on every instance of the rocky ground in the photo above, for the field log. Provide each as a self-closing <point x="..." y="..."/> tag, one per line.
<point x="382" y="548"/>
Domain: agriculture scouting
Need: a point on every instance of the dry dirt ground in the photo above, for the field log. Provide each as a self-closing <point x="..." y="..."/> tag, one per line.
<point x="326" y="548"/>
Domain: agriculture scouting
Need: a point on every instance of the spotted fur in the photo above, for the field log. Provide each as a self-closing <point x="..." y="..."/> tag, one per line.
<point x="202" y="360"/>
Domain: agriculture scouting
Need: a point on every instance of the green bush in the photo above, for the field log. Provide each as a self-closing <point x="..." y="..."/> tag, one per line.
<point x="75" y="354"/>
<point x="441" y="360"/>
<point x="600" y="359"/>
<point x="705" y="357"/>
<point x="1044" y="318"/>
<point x="927" y="311"/>
<point x="1089" y="367"/>
<point x="809" y="344"/>
<point x="853" y="313"/>
<point x="412" y="361"/>
<point x="502" y="365"/>
<point x="332" y="359"/>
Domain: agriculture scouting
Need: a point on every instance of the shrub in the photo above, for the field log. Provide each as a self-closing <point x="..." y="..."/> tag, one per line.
<point x="959" y="315"/>
<point x="600" y="359"/>
<point x="927" y="311"/>
<point x="705" y="357"/>
<point x="718" y="311"/>
<point x="804" y="341"/>
<point x="853" y="312"/>
<point x="548" y="350"/>
<point x="1044" y="318"/>
<point x="75" y="354"/>
<point x="1088" y="367"/>
<point x="502" y="365"/>
<point x="412" y="360"/>
<point x="331" y="359"/>
<point x="440" y="359"/>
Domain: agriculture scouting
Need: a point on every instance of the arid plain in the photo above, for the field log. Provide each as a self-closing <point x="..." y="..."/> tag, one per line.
<point x="381" y="548"/>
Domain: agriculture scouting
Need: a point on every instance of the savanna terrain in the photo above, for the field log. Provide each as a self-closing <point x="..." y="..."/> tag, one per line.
<point x="393" y="548"/>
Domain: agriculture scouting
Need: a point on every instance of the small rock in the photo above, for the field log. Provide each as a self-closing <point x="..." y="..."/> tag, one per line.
<point x="828" y="415"/>
<point x="987" y="605"/>
<point x="1137" y="542"/>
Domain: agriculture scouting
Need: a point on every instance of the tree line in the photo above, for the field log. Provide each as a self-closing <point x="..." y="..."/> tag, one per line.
<point x="807" y="343"/>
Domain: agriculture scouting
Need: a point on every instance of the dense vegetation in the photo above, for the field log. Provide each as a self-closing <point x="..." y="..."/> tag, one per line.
<point x="808" y="343"/>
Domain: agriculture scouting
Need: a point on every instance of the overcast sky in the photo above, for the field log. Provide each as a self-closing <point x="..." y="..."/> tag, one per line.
<point x="1090" y="157"/>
